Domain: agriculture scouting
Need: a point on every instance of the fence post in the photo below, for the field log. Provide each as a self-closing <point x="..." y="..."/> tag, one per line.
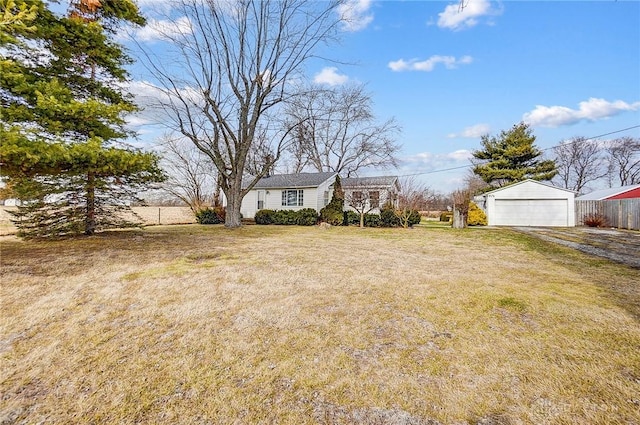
<point x="159" y="215"/>
<point x="620" y="214"/>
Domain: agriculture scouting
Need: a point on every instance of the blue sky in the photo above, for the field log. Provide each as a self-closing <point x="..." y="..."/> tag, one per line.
<point x="569" y="68"/>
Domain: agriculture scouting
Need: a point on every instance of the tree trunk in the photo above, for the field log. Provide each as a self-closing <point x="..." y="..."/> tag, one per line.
<point x="90" y="218"/>
<point x="217" y="202"/>
<point x="459" y="219"/>
<point x="233" y="217"/>
<point x="362" y="219"/>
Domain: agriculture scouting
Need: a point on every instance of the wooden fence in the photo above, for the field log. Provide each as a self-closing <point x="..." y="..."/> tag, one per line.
<point x="621" y="213"/>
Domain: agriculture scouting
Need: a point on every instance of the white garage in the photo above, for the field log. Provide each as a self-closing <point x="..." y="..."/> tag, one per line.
<point x="529" y="203"/>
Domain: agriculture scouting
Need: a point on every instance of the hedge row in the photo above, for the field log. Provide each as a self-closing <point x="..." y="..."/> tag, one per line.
<point x="309" y="217"/>
<point x="303" y="217"/>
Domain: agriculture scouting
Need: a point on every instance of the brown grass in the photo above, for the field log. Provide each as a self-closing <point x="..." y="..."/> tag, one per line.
<point x="291" y="325"/>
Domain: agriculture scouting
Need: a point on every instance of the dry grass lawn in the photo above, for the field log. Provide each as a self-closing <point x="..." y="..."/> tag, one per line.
<point x="290" y="325"/>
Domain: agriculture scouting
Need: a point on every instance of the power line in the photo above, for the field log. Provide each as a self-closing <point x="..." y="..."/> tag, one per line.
<point x="545" y="149"/>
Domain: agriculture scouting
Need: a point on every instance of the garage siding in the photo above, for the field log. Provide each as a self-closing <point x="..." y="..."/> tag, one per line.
<point x="531" y="212"/>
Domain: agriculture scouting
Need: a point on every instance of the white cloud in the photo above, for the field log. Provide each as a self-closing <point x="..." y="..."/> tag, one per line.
<point x="152" y="101"/>
<point x="472" y="132"/>
<point x="355" y="14"/>
<point x="455" y="17"/>
<point x="163" y="29"/>
<point x="450" y="62"/>
<point x="591" y="110"/>
<point x="427" y="161"/>
<point x="330" y="76"/>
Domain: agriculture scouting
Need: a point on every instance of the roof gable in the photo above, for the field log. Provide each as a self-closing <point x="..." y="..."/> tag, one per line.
<point x="294" y="180"/>
<point x="527" y="182"/>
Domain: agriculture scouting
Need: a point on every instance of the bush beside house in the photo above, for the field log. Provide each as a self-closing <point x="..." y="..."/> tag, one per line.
<point x="476" y="216"/>
<point x="303" y="217"/>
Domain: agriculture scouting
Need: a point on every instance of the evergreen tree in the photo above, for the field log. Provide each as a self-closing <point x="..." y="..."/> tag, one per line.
<point x="333" y="213"/>
<point x="511" y="157"/>
<point x="63" y="118"/>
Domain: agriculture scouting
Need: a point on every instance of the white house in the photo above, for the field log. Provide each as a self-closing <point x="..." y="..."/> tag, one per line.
<point x="373" y="192"/>
<point x="289" y="192"/>
<point x="529" y="203"/>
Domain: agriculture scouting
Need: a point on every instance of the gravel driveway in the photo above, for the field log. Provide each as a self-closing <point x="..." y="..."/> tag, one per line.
<point x="622" y="246"/>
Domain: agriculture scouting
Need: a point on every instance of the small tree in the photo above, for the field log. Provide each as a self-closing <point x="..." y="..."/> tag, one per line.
<point x="511" y="157"/>
<point x="413" y="196"/>
<point x="333" y="213"/>
<point x="363" y="201"/>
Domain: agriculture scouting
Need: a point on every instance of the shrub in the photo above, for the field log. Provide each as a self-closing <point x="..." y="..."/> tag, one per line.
<point x="414" y="218"/>
<point x="388" y="217"/>
<point x="284" y="217"/>
<point x="446" y="216"/>
<point x="331" y="215"/>
<point x="211" y="215"/>
<point x="371" y="220"/>
<point x="307" y="217"/>
<point x="264" y="217"/>
<point x="476" y="217"/>
<point x="352" y="218"/>
<point x="594" y="220"/>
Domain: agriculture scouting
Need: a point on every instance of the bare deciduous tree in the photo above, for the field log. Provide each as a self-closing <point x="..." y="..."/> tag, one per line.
<point x="624" y="161"/>
<point x="338" y="131"/>
<point x="414" y="196"/>
<point x="579" y="161"/>
<point x="363" y="200"/>
<point x="233" y="64"/>
<point x="192" y="178"/>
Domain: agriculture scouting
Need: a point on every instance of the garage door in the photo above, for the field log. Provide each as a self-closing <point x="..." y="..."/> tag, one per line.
<point x="530" y="212"/>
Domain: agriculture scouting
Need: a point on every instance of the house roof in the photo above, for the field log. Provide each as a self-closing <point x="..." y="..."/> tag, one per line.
<point x="527" y="181"/>
<point x="294" y="180"/>
<point x="380" y="181"/>
<point x="598" y="195"/>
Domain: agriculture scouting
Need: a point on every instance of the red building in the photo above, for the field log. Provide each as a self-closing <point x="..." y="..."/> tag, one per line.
<point x="624" y="192"/>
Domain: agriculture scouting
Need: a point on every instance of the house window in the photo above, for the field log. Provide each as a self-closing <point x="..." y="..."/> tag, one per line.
<point x="261" y="199"/>
<point x="357" y="198"/>
<point x="292" y="198"/>
<point x="326" y="198"/>
<point x="374" y="199"/>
